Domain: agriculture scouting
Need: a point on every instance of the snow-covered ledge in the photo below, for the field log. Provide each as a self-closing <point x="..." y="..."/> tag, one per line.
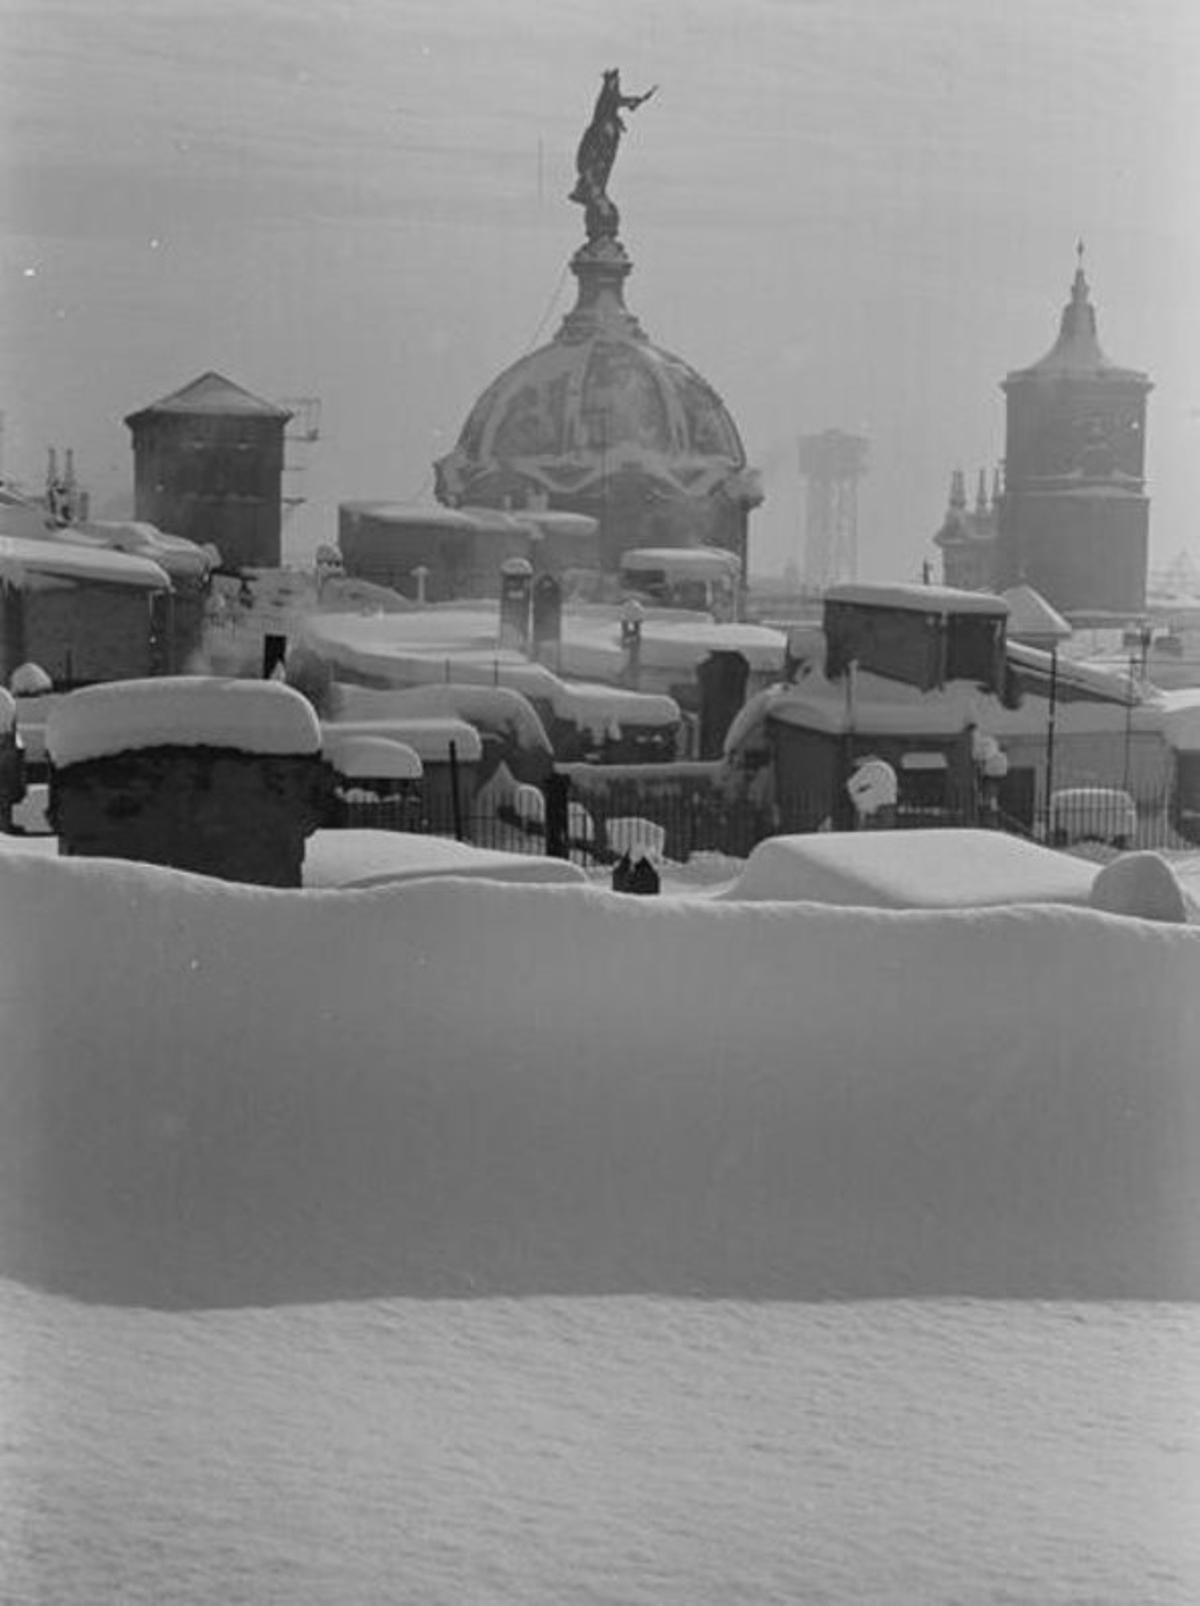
<point x="223" y="777"/>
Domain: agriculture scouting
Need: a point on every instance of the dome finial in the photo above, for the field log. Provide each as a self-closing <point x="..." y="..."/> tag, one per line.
<point x="1079" y="287"/>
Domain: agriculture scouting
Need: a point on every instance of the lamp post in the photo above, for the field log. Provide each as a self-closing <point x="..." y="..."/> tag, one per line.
<point x="1128" y="722"/>
<point x="1050" y="716"/>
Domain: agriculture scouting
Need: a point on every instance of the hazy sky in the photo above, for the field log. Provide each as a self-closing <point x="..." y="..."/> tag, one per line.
<point x="854" y="213"/>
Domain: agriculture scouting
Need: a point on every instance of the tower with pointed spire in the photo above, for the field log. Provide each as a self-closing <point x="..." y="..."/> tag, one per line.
<point x="967" y="537"/>
<point x="1074" y="516"/>
<point x="601" y="421"/>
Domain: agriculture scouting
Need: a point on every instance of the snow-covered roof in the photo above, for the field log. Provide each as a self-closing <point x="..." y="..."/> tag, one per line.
<point x="1113" y="682"/>
<point x="1181" y="719"/>
<point x="404" y="514"/>
<point x="436" y="646"/>
<point x="498" y="708"/>
<point x="933" y="869"/>
<point x="684" y="562"/>
<point x="881" y="706"/>
<point x="933" y="715"/>
<point x="21" y="516"/>
<point x="250" y="716"/>
<point x="1029" y="614"/>
<point x="212" y="393"/>
<point x="20" y="558"/>
<point x="174" y="553"/>
<point x="557" y="521"/>
<point x="582" y="703"/>
<point x="591" y="644"/>
<point x="429" y="737"/>
<point x="372" y="757"/>
<point x="918" y="598"/>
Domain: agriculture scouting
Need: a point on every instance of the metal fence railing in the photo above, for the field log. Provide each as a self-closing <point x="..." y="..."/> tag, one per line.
<point x="598" y="828"/>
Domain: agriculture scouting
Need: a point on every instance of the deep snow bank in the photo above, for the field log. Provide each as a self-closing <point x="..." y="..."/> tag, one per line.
<point x="359" y="858"/>
<point x="453" y="1087"/>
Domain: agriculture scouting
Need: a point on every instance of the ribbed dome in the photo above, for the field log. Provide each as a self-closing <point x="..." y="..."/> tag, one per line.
<point x="598" y="413"/>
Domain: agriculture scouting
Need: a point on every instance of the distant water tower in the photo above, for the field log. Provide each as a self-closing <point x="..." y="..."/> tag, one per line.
<point x="208" y="465"/>
<point x="832" y="463"/>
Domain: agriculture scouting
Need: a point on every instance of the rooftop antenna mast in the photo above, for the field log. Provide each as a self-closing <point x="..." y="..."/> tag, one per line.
<point x="303" y="429"/>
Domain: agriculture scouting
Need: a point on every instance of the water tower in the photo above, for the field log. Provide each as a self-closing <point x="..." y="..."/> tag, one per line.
<point x="208" y="465"/>
<point x="832" y="463"/>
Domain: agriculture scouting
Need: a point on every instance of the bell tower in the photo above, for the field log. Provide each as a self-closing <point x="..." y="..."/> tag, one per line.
<point x="1074" y="515"/>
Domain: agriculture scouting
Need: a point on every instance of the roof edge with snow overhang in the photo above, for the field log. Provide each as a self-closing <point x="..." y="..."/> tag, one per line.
<point x="20" y="557"/>
<point x="261" y="717"/>
<point x="918" y="598"/>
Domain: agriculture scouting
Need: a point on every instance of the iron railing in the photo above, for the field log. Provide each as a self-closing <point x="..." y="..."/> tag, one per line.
<point x="598" y="828"/>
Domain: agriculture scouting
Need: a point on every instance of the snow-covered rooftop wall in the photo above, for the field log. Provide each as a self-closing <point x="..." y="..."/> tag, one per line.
<point x="373" y="757"/>
<point x="497" y="708"/>
<point x="932" y="869"/>
<point x="447" y="1087"/>
<point x="251" y="716"/>
<point x="448" y="647"/>
<point x="918" y="599"/>
<point x="429" y="737"/>
<point x="20" y="560"/>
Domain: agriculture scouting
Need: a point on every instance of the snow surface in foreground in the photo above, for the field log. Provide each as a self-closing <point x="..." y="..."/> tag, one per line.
<point x="264" y="1098"/>
<point x="646" y="1452"/>
<point x="465" y="1087"/>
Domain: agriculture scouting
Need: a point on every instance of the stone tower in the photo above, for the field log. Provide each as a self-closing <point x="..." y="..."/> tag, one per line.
<point x="1074" y="516"/>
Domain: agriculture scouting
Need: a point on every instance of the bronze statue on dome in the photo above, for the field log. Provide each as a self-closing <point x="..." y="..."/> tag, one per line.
<point x="597" y="153"/>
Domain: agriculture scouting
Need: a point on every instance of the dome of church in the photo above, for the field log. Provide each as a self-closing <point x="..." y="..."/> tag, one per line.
<point x="602" y="421"/>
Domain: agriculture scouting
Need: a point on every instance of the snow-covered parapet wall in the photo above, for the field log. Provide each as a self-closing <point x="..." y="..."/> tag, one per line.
<point x="932" y="869"/>
<point x="22" y="562"/>
<point x="430" y="738"/>
<point x="450" y="1088"/>
<point x="373" y="758"/>
<point x="250" y="716"/>
<point x="224" y="777"/>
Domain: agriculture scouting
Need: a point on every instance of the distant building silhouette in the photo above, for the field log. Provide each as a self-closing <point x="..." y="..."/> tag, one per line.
<point x="967" y="537"/>
<point x="1072" y="519"/>
<point x="208" y="465"/>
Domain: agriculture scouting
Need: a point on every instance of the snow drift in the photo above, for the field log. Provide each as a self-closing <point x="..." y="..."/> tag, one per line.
<point x="930" y="869"/>
<point x="451" y="1087"/>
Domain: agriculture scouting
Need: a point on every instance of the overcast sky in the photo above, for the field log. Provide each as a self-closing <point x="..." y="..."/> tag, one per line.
<point x="853" y="213"/>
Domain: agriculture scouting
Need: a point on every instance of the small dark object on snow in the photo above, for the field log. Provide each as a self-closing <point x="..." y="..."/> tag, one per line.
<point x="622" y="871"/>
<point x="644" y="879"/>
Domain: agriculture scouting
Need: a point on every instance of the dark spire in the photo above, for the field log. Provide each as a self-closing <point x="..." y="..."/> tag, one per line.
<point x="1077" y="351"/>
<point x="1079" y="316"/>
<point x="958" y="491"/>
